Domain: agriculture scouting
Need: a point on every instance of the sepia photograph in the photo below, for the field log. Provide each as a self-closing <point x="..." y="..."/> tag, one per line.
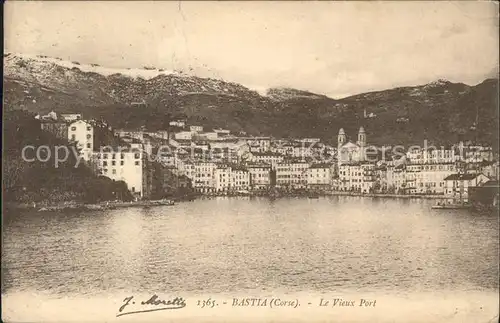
<point x="250" y="161"/>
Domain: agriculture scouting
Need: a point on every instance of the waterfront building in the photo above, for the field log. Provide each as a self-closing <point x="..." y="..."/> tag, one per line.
<point x="291" y="174"/>
<point x="82" y="133"/>
<point x="123" y="164"/>
<point x="223" y="181"/>
<point x="203" y="176"/>
<point x="260" y="175"/>
<point x="319" y="176"/>
<point x="430" y="179"/>
<point x="357" y="177"/>
<point x="240" y="178"/>
<point x="457" y="185"/>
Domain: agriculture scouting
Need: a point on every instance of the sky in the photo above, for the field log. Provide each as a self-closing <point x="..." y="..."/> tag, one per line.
<point x="332" y="48"/>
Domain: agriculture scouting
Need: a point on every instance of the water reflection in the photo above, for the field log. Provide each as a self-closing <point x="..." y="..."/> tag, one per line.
<point x="255" y="245"/>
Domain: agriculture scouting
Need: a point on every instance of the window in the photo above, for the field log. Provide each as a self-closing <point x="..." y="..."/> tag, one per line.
<point x="73" y="137"/>
<point x="105" y="170"/>
<point x="113" y="156"/>
<point x="114" y="171"/>
<point x="122" y="155"/>
<point x="122" y="162"/>
<point x="105" y="156"/>
<point x="89" y="128"/>
<point x="89" y="145"/>
<point x="137" y="163"/>
<point x="104" y="163"/>
<point x="113" y="163"/>
<point x="137" y="156"/>
<point x="73" y="128"/>
<point x="133" y="189"/>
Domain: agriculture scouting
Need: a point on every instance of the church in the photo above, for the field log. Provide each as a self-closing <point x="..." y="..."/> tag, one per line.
<point x="349" y="152"/>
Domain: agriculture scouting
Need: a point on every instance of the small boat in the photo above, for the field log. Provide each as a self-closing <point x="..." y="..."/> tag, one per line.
<point x="452" y="206"/>
<point x="313" y="196"/>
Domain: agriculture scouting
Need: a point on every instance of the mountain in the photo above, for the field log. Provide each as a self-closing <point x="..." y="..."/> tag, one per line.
<point x="442" y="112"/>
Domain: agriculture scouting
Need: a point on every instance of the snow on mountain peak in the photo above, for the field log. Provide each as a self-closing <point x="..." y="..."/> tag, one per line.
<point x="145" y="73"/>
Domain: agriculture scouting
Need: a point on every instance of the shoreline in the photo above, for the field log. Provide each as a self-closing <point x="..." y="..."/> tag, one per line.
<point x="102" y="206"/>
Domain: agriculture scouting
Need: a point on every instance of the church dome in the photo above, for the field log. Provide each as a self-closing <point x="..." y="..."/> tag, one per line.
<point x="361" y="130"/>
<point x="341" y="131"/>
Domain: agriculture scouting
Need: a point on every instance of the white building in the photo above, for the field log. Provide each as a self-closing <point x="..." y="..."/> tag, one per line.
<point x="320" y="176"/>
<point x="203" y="176"/>
<point x="240" y="178"/>
<point x="223" y="180"/>
<point x="258" y="144"/>
<point x="270" y="158"/>
<point x="357" y="177"/>
<point x="82" y="133"/>
<point x="183" y="135"/>
<point x="291" y="174"/>
<point x="123" y="164"/>
<point x="260" y="176"/>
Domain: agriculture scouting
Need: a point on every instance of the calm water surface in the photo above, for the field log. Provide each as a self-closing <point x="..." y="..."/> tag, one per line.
<point x="253" y="245"/>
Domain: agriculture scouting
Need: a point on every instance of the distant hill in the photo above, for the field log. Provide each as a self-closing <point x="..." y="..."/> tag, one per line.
<point x="442" y="112"/>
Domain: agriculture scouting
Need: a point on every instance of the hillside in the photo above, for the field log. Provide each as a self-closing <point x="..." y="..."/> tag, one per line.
<point x="442" y="112"/>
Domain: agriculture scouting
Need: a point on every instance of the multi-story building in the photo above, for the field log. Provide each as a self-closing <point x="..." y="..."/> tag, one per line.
<point x="240" y="178"/>
<point x="82" y="133"/>
<point x="258" y="144"/>
<point x="270" y="158"/>
<point x="223" y="180"/>
<point x="320" y="176"/>
<point x="429" y="178"/>
<point x="202" y="175"/>
<point x="123" y="164"/>
<point x="260" y="175"/>
<point x="357" y="176"/>
<point x="291" y="174"/>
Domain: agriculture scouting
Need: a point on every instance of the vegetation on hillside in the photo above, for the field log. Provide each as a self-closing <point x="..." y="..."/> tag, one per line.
<point x="39" y="180"/>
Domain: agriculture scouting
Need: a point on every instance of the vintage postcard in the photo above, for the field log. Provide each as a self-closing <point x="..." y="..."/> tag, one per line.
<point x="241" y="161"/>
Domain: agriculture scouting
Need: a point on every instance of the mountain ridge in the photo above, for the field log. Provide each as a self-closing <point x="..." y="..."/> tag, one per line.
<point x="40" y="85"/>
